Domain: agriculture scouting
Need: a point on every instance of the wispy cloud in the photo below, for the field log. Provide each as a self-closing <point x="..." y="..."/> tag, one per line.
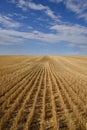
<point x="9" y="40"/>
<point x="51" y="14"/>
<point x="72" y="34"/>
<point x="9" y="22"/>
<point x="84" y="16"/>
<point x="75" y="34"/>
<point x="77" y="6"/>
<point x="37" y="6"/>
<point x="46" y="9"/>
<point x="24" y="5"/>
<point x="70" y="29"/>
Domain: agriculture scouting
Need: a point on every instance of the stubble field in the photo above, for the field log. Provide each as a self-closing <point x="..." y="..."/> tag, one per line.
<point x="43" y="93"/>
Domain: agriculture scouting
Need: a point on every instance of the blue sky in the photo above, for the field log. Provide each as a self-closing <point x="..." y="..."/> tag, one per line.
<point x="56" y="27"/>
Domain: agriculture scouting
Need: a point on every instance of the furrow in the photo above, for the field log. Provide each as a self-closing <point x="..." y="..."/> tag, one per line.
<point x="12" y="98"/>
<point x="33" y="101"/>
<point x="19" y="100"/>
<point x="71" y="106"/>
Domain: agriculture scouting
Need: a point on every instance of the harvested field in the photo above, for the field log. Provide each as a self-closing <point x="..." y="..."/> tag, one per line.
<point x="43" y="93"/>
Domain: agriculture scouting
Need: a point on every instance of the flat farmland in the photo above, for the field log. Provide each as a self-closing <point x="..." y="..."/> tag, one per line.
<point x="43" y="93"/>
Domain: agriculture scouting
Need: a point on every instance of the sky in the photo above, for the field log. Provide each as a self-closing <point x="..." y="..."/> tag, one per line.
<point x="43" y="27"/>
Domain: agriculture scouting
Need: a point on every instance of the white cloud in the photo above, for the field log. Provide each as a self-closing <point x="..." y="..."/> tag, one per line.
<point x="70" y="29"/>
<point x="75" y="34"/>
<point x="5" y="40"/>
<point x="37" y="6"/>
<point x="84" y="16"/>
<point x="24" y="5"/>
<point x="8" y="22"/>
<point x="46" y="9"/>
<point x="51" y="14"/>
<point x="77" y="6"/>
<point x="72" y="34"/>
